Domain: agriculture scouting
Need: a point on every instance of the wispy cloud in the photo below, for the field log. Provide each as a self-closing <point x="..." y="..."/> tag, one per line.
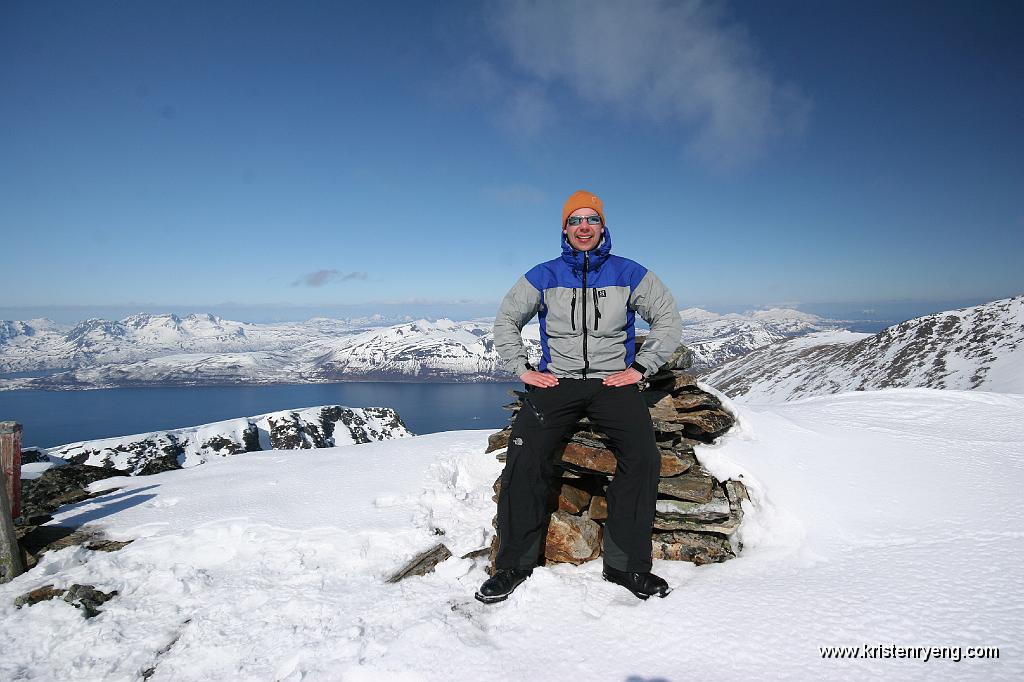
<point x="680" y="62"/>
<point x="519" y="106"/>
<point x="322" y="277"/>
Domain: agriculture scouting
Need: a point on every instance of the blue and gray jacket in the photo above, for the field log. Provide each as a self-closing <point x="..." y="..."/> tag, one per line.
<point x="586" y="302"/>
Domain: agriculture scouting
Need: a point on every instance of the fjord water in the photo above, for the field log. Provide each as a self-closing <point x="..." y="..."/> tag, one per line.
<point x="52" y="418"/>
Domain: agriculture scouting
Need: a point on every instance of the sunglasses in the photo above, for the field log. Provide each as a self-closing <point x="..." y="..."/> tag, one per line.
<point x="575" y="220"/>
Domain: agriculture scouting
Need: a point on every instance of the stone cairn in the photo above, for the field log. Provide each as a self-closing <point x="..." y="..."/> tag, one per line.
<point x="696" y="515"/>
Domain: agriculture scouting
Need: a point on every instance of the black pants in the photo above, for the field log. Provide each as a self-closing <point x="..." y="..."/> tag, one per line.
<point x="544" y="420"/>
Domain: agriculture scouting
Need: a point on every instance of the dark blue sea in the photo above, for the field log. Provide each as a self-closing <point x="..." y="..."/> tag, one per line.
<point x="52" y="418"/>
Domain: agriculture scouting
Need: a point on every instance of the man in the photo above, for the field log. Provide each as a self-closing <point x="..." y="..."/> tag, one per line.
<point x="586" y="301"/>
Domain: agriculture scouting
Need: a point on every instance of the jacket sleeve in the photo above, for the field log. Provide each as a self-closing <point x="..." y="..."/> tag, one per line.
<point x="518" y="307"/>
<point x="657" y="307"/>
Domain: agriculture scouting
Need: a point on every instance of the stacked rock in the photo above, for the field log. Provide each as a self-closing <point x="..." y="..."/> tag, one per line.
<point x="696" y="515"/>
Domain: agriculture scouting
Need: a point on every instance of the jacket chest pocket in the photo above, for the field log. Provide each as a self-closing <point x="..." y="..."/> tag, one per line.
<point x="564" y="311"/>
<point x="612" y="308"/>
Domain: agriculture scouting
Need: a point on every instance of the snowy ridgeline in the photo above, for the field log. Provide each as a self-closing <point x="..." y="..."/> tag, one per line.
<point x="162" y="350"/>
<point x="311" y="427"/>
<point x="876" y="519"/>
<point x="717" y="339"/>
<point x="981" y="347"/>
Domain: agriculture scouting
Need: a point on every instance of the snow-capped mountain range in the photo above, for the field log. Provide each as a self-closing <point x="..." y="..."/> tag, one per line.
<point x="164" y="350"/>
<point x="716" y="339"/>
<point x="151" y="350"/>
<point x="981" y="347"/>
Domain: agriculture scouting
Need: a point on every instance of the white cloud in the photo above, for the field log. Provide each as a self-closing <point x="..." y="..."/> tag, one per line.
<point x="322" y="277"/>
<point x="666" y="62"/>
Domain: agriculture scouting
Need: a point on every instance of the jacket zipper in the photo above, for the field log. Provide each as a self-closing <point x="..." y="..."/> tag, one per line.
<point x="586" y="266"/>
<point x="572" y="310"/>
<point x="597" y="312"/>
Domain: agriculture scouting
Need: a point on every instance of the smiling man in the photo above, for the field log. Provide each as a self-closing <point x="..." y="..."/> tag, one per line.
<point x="586" y="301"/>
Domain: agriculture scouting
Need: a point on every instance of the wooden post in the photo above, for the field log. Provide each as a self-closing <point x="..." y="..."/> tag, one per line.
<point x="10" y="463"/>
<point x="10" y="468"/>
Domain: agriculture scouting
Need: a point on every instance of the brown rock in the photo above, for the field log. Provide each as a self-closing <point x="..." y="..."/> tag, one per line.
<point x="422" y="563"/>
<point x="661" y="405"/>
<point x="591" y="459"/>
<point x="598" y="508"/>
<point x="709" y="517"/>
<point x="681" y="358"/>
<point x="692" y="401"/>
<point x="700" y="548"/>
<point x="667" y="427"/>
<point x="492" y="554"/>
<point x="706" y="421"/>
<point x="108" y="545"/>
<point x="591" y="439"/>
<point x="672" y="381"/>
<point x="736" y="492"/>
<point x="572" y="539"/>
<point x="497" y="441"/>
<point x="37" y="595"/>
<point x="675" y="463"/>
<point x="691" y="487"/>
<point x="573" y="499"/>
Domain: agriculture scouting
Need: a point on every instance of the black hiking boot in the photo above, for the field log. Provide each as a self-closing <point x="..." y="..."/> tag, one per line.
<point x="501" y="584"/>
<point x="643" y="585"/>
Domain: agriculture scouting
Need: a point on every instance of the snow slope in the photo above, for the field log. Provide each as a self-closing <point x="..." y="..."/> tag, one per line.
<point x="977" y="347"/>
<point x="878" y="518"/>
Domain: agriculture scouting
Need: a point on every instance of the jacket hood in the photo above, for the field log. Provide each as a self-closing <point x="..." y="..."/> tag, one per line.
<point x="597" y="258"/>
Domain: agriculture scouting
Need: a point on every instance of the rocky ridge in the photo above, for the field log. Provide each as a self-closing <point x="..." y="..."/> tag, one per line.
<point x="696" y="515"/>
<point x="312" y="427"/>
<point x="980" y="347"/>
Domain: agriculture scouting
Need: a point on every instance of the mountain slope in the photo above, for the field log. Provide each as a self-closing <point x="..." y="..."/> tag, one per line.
<point x="717" y="339"/>
<point x="971" y="348"/>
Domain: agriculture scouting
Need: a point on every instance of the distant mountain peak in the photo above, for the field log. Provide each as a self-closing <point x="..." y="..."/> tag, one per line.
<point x="976" y="347"/>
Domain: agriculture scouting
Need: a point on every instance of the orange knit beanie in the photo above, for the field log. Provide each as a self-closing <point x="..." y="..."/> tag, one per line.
<point x="582" y="199"/>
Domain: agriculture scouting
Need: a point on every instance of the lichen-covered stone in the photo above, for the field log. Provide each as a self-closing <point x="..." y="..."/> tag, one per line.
<point x="706" y="421"/>
<point x="686" y="402"/>
<point x="699" y="548"/>
<point x="689" y="487"/>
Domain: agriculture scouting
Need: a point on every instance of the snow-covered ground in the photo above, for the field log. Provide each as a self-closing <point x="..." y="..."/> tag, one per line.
<point x="879" y="518"/>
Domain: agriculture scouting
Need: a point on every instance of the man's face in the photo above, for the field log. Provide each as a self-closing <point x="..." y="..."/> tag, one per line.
<point x="583" y="237"/>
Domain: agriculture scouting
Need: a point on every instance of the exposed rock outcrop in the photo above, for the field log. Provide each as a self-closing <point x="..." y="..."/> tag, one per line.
<point x="313" y="427"/>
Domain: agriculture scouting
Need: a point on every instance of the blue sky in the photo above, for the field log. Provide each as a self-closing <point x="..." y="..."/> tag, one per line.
<point x="278" y="160"/>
